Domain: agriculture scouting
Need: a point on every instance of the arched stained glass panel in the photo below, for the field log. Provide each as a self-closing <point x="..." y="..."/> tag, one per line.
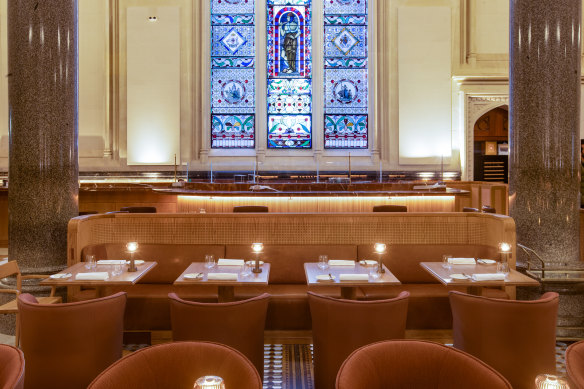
<point x="232" y="74"/>
<point x="345" y="74"/>
<point x="289" y="65"/>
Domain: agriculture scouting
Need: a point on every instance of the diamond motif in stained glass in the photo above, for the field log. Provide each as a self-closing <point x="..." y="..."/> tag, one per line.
<point x="345" y="41"/>
<point x="233" y="41"/>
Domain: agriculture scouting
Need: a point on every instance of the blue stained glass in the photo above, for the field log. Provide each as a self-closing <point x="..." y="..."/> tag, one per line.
<point x="289" y="131"/>
<point x="345" y="131"/>
<point x="232" y="74"/>
<point x="289" y="39"/>
<point x="346" y="88"/>
<point x="232" y="131"/>
<point x="347" y="41"/>
<point x="233" y="40"/>
<point x="232" y="6"/>
<point x="341" y="7"/>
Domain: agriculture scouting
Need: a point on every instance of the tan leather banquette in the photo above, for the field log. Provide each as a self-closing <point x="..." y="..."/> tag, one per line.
<point x="176" y="240"/>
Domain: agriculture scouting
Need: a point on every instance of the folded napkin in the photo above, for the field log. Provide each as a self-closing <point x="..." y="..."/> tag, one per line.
<point x="354" y="277"/>
<point x="230" y="262"/>
<point x="368" y="262"/>
<point x="100" y="275"/>
<point x="111" y="262"/>
<point x="461" y="261"/>
<point x="340" y="262"/>
<point x="222" y="276"/>
<point x="489" y="277"/>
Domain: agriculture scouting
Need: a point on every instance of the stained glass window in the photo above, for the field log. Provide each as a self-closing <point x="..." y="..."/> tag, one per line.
<point x="289" y="74"/>
<point x="232" y="74"/>
<point x="345" y="74"/>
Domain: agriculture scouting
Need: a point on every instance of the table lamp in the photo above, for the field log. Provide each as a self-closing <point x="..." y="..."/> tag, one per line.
<point x="505" y="250"/>
<point x="257" y="248"/>
<point x="380" y="249"/>
<point x="209" y="382"/>
<point x="131" y="247"/>
<point x="549" y="381"/>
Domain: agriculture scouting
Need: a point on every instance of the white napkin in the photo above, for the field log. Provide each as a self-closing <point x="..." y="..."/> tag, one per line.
<point x="461" y="261"/>
<point x="230" y="262"/>
<point x="340" y="262"/>
<point x="354" y="277"/>
<point x="489" y="277"/>
<point x="100" y="275"/>
<point x="222" y="276"/>
<point x="368" y="262"/>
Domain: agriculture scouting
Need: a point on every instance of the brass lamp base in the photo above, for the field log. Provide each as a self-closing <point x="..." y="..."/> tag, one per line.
<point x="132" y="266"/>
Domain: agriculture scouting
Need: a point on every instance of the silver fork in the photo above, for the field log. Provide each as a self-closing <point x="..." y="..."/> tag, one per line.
<point x="330" y="277"/>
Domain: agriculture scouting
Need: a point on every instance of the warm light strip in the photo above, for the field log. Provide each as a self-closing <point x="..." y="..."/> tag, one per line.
<point x="216" y="204"/>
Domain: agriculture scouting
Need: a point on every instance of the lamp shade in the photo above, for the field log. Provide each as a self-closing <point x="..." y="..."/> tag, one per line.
<point x="257" y="247"/>
<point x="504" y="247"/>
<point x="132" y="246"/>
<point x="548" y="381"/>
<point x="380" y="248"/>
<point x="209" y="382"/>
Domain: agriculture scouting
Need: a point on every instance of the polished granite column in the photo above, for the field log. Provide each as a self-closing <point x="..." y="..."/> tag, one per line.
<point x="43" y="166"/>
<point x="544" y="167"/>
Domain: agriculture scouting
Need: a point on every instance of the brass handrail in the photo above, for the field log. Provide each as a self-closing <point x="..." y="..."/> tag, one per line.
<point x="529" y="252"/>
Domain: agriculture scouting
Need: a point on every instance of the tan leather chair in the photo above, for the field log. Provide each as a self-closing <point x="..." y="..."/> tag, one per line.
<point x="250" y="208"/>
<point x="575" y="364"/>
<point x="138" y="209"/>
<point x="238" y="324"/>
<point x="339" y="327"/>
<point x="11" y="367"/>
<point x="11" y="269"/>
<point x="517" y="338"/>
<point x="390" y="208"/>
<point x="178" y="365"/>
<point x="67" y="345"/>
<point x="416" y="364"/>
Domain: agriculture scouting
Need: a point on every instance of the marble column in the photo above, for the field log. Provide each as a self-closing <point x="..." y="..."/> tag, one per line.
<point x="544" y="167"/>
<point x="43" y="166"/>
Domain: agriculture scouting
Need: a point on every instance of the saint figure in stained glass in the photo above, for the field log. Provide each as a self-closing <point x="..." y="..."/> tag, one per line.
<point x="290" y="31"/>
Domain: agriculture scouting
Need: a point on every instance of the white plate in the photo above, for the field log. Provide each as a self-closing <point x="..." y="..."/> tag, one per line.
<point x="193" y="276"/>
<point x="60" y="276"/>
<point x="486" y="261"/>
<point x="368" y="262"/>
<point x="252" y="263"/>
<point x="325" y="277"/>
<point x="458" y="276"/>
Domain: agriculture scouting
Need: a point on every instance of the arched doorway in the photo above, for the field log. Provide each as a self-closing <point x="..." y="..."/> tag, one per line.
<point x="491" y="145"/>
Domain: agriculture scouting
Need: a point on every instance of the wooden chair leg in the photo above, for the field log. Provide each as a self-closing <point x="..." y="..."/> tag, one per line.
<point x="17" y="331"/>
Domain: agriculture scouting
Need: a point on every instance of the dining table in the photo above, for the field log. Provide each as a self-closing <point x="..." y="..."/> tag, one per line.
<point x="198" y="274"/>
<point x="470" y="275"/>
<point x="73" y="276"/>
<point x="333" y="276"/>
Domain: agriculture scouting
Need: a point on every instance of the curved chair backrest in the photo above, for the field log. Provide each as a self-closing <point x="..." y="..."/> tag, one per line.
<point x="517" y="338"/>
<point x="178" y="365"/>
<point x="390" y="208"/>
<point x="470" y="209"/>
<point x="575" y="363"/>
<point x="339" y="327"/>
<point x="83" y="213"/>
<point x="11" y="367"/>
<point x="250" y="208"/>
<point x="67" y="345"/>
<point x="238" y="324"/>
<point x="416" y="364"/>
<point x="488" y="209"/>
<point x="139" y="209"/>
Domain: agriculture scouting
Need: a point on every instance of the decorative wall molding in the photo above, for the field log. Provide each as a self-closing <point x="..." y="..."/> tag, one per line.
<point x="476" y="105"/>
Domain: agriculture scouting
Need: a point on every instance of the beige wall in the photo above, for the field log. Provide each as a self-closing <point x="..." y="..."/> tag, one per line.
<point x="479" y="66"/>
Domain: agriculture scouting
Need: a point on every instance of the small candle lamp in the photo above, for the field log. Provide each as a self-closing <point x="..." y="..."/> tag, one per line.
<point x="549" y="381"/>
<point x="505" y="250"/>
<point x="131" y="247"/>
<point x="257" y="249"/>
<point x="209" y="382"/>
<point x="380" y="249"/>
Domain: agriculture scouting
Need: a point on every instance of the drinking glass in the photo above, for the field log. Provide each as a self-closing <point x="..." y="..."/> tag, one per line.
<point x="209" y="261"/>
<point x="323" y="261"/>
<point x="446" y="261"/>
<point x="246" y="270"/>
<point x="117" y="269"/>
<point x="90" y="262"/>
<point x="373" y="273"/>
<point x="502" y="267"/>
